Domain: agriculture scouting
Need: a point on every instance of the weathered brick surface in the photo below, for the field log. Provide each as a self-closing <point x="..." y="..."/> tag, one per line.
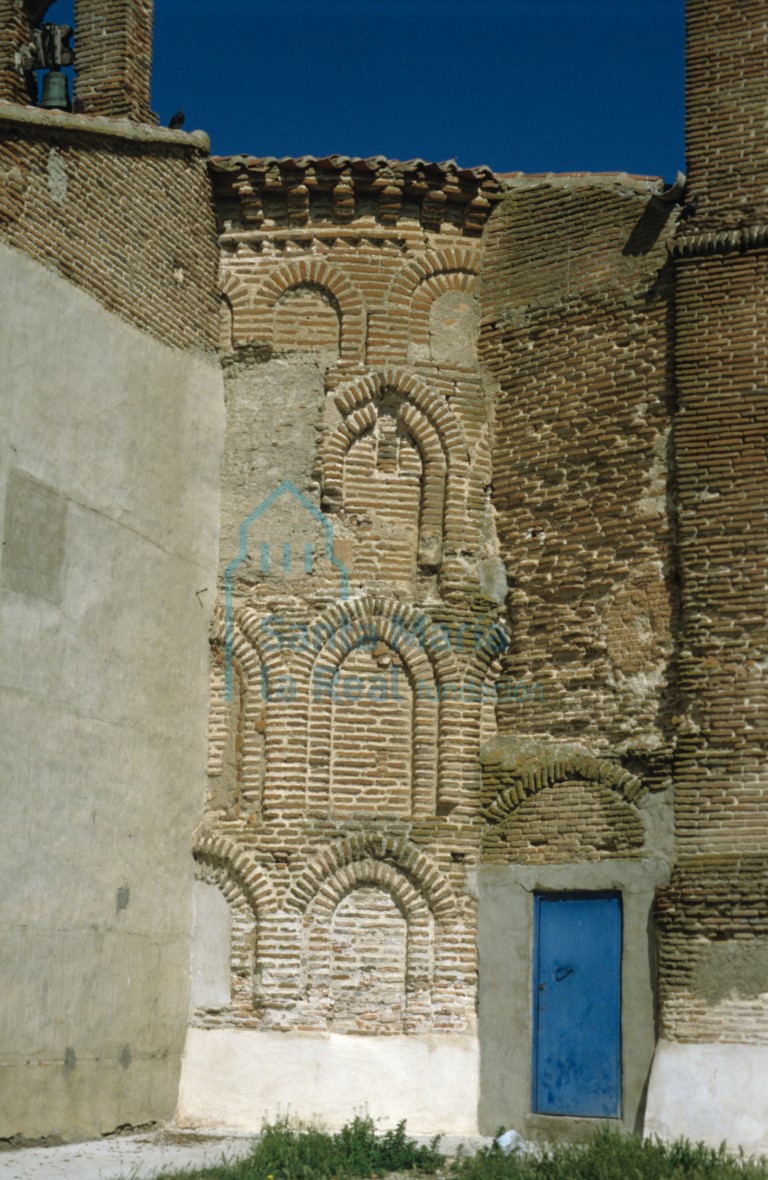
<point x="726" y="111"/>
<point x="715" y="909"/>
<point x="14" y="34"/>
<point x="545" y="384"/>
<point x="716" y="902"/>
<point x="113" y="57"/>
<point x="573" y="821"/>
<point x="134" y="252"/>
<point x="722" y="371"/>
<point x="576" y="328"/>
<point x="355" y="797"/>
<point x="345" y="769"/>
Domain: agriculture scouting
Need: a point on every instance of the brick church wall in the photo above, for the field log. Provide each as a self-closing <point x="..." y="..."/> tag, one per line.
<point x="576" y="310"/>
<point x="345" y="770"/>
<point x="113" y="57"/>
<point x="356" y="802"/>
<point x="134" y="254"/>
<point x="713" y="912"/>
<point x="14" y="34"/>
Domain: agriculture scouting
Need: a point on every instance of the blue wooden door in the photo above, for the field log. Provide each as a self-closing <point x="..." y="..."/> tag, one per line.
<point x="577" y="1004"/>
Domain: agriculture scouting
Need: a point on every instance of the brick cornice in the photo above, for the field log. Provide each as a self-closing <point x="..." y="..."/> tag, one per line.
<point x="722" y="241"/>
<point x="98" y="127"/>
<point x="306" y="190"/>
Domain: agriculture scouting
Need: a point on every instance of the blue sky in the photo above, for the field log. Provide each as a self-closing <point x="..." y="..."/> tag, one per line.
<point x="529" y="85"/>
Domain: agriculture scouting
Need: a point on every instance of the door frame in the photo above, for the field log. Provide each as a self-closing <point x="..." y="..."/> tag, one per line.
<point x="505" y="972"/>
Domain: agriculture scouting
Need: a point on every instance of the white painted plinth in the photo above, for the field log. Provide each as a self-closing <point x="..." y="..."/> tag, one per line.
<point x="710" y="1093"/>
<point x="239" y="1078"/>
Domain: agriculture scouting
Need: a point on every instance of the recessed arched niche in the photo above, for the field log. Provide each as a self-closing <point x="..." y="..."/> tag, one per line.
<point x="368" y="952"/>
<point x="453" y="328"/>
<point x="395" y="466"/>
<point x="307" y="317"/>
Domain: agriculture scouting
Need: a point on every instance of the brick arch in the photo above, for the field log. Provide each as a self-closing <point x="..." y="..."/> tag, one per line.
<point x="315" y="324"/>
<point x="495" y="641"/>
<point x="435" y="431"/>
<point x="411" y="966"/>
<point x="249" y="661"/>
<point x="425" y="296"/>
<point x="246" y="647"/>
<point x="461" y="262"/>
<point x="363" y="418"/>
<point x="376" y="873"/>
<point x="303" y="272"/>
<point x="236" y="302"/>
<point x="418" y="747"/>
<point x="246" y="912"/>
<point x="459" y="259"/>
<point x="249" y="621"/>
<point x="395" y="623"/>
<point x="414" y="389"/>
<point x="541" y="774"/>
<point x="422" y="874"/>
<point x="429" y="661"/>
<point x="222" y="856"/>
<point x="213" y="872"/>
<point x="482" y="669"/>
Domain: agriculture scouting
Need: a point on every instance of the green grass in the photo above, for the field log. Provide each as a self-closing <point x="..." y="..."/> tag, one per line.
<point x="609" y="1155"/>
<point x="288" y="1152"/>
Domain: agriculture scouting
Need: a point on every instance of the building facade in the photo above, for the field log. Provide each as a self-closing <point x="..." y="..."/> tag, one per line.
<point x="484" y="835"/>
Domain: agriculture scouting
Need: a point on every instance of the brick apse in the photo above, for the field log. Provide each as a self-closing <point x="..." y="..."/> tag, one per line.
<point x="490" y="619"/>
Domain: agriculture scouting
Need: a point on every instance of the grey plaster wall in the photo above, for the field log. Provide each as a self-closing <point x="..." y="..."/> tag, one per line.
<point x="211" y="947"/>
<point x="110" y="455"/>
<point x="505" y="946"/>
<point x="276" y="406"/>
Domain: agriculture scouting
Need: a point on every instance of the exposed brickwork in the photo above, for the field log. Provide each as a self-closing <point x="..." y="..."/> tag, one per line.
<point x="576" y="322"/>
<point x="726" y="111"/>
<point x="374" y="933"/>
<point x="463" y="377"/>
<point x="575" y="821"/>
<point x="136" y="254"/>
<point x="113" y="57"/>
<point x="338" y="190"/>
<point x="713" y="903"/>
<point x="364" y="718"/>
<point x="722" y="371"/>
<point x="546" y="803"/>
<point x="14" y="34"/>
<point x="717" y="902"/>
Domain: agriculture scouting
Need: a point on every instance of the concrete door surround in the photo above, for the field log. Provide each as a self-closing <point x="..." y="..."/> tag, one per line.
<point x="505" y="947"/>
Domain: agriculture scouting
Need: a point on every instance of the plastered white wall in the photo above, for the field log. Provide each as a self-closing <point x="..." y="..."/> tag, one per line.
<point x="710" y="1093"/>
<point x="240" y="1077"/>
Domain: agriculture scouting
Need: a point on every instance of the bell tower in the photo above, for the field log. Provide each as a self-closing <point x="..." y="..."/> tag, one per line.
<point x="112" y="55"/>
<point x="113" y="58"/>
<point x="713" y="918"/>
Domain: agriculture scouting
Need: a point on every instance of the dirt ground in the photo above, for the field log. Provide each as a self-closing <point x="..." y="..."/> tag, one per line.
<point x="142" y="1155"/>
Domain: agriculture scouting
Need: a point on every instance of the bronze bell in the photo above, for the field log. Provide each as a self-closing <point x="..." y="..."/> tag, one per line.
<point x="55" y="91"/>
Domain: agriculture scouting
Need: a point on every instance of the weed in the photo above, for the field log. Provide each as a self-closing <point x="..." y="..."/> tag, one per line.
<point x="609" y="1155"/>
<point x="289" y="1152"/>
